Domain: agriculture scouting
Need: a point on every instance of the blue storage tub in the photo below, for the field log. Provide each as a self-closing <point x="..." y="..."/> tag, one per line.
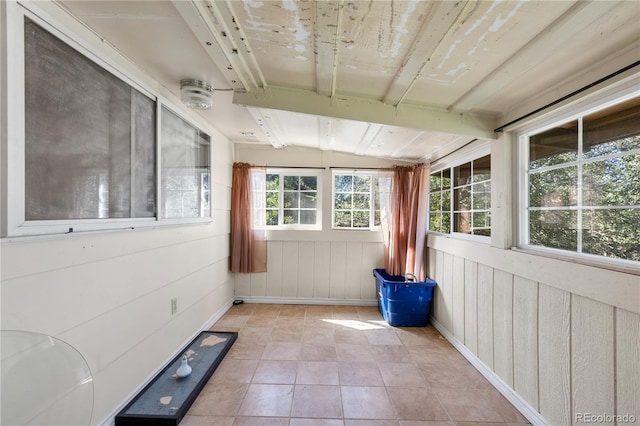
<point x="403" y="303"/>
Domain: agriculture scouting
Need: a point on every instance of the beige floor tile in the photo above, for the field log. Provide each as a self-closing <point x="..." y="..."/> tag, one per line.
<point x="318" y="352"/>
<point x="276" y="372"/>
<point x="219" y="399"/>
<point x="285" y="335"/>
<point x="282" y="351"/>
<point x="324" y="336"/>
<point x="467" y="405"/>
<point x="235" y="370"/>
<point x="350" y="422"/>
<point x="260" y="421"/>
<point x="402" y="374"/>
<point x="456" y="377"/>
<point x="316" y="422"/>
<point x="351" y="353"/>
<point x="363" y="402"/>
<point x="351" y="336"/>
<point x="317" y="401"/>
<point x="359" y="374"/>
<point x="190" y="420"/>
<point x="267" y="400"/>
<point x="254" y="335"/>
<point x="293" y="311"/>
<point x="383" y="337"/>
<point x="230" y="323"/>
<point x="391" y="353"/>
<point x="241" y="350"/>
<point x="425" y="423"/>
<point x="317" y="373"/>
<point x="416" y="404"/>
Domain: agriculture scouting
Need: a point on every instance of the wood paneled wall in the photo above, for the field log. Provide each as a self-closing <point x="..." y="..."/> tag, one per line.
<point x="561" y="352"/>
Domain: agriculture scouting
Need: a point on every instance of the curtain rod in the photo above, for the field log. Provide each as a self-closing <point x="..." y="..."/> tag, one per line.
<point x="292" y="167"/>
<point x="557" y="101"/>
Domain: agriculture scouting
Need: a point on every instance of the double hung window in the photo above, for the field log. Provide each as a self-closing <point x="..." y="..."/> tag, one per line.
<point x="358" y="199"/>
<point x="293" y="199"/>
<point x="581" y="183"/>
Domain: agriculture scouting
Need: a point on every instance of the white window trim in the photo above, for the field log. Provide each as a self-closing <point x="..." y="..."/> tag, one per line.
<point x="477" y="152"/>
<point x="16" y="225"/>
<point x="373" y="173"/>
<point x="609" y="98"/>
<point x="297" y="172"/>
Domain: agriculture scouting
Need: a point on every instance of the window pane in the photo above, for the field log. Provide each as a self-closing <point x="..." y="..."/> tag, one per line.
<point x="362" y="183"/>
<point x="481" y="224"/>
<point x="446" y="223"/>
<point x="555" y="229"/>
<point x="342" y="219"/>
<point x="481" y="196"/>
<point x="554" y="188"/>
<point x="342" y="201"/>
<point x="555" y="146"/>
<point x="435" y="181"/>
<point x="185" y="155"/>
<point x="462" y="174"/>
<point x="307" y="217"/>
<point x="342" y="183"/>
<point x="612" y="182"/>
<point x="290" y="200"/>
<point x="272" y="200"/>
<point x="446" y="179"/>
<point x="462" y="199"/>
<point x="435" y="201"/>
<point x="361" y="201"/>
<point x="272" y="217"/>
<point x="89" y="137"/>
<point x="290" y="217"/>
<point x="612" y="130"/>
<point x="308" y="183"/>
<point x="435" y="222"/>
<point x="360" y="219"/>
<point x="291" y="183"/>
<point x="308" y="199"/>
<point x="446" y="200"/>
<point x="273" y="182"/>
<point x="482" y="169"/>
<point x="612" y="233"/>
<point x="462" y="222"/>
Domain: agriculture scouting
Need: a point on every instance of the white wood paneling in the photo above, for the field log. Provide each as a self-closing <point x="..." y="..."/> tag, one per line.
<point x="447" y="291"/>
<point x="471" y="306"/>
<point x="627" y="362"/>
<point x="321" y="273"/>
<point x="259" y="284"/>
<point x="353" y="270"/>
<point x="242" y="285"/>
<point x="503" y="325"/>
<point x="306" y="264"/>
<point x="554" y="346"/>
<point x="440" y="311"/>
<point x="458" y="298"/>
<point x="338" y="270"/>
<point x="274" y="268"/>
<point x="592" y="356"/>
<point x="371" y="258"/>
<point x="485" y="314"/>
<point x="290" y="262"/>
<point x="525" y="339"/>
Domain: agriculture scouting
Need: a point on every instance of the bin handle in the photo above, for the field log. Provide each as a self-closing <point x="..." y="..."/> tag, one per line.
<point x="410" y="277"/>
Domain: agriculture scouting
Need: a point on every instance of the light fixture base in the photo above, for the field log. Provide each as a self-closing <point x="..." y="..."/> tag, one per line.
<point x="196" y="94"/>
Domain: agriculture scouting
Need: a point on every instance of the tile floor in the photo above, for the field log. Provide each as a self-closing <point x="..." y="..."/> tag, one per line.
<point x="311" y="365"/>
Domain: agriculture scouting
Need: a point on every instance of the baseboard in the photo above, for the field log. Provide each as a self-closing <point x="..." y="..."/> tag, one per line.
<point x="512" y="396"/>
<point x="110" y="419"/>
<point x="308" y="301"/>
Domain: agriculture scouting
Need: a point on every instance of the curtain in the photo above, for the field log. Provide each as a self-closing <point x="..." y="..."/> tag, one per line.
<point x="407" y="221"/>
<point x="248" y="247"/>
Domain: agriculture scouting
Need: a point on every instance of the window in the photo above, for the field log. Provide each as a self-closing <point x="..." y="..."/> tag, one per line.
<point x="86" y="156"/>
<point x="293" y="200"/>
<point x="582" y="180"/>
<point x="358" y="199"/>
<point x="461" y="204"/>
<point x="185" y="168"/>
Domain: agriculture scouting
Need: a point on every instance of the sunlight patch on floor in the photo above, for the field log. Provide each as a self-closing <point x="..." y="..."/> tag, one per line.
<point x="358" y="325"/>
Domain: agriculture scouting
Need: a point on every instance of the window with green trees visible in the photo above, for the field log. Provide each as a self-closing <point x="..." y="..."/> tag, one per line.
<point x="582" y="181"/>
<point x="292" y="200"/>
<point x="358" y="199"/>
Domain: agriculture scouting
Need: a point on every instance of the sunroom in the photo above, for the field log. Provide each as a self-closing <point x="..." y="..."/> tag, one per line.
<point x="123" y="124"/>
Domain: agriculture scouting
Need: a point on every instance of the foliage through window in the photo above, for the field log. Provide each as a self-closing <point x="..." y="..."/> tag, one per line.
<point x="292" y="200"/>
<point x="583" y="184"/>
<point x="461" y="204"/>
<point x="358" y="199"/>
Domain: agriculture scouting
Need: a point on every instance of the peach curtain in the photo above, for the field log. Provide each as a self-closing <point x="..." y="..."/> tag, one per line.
<point x="248" y="247"/>
<point x="407" y="221"/>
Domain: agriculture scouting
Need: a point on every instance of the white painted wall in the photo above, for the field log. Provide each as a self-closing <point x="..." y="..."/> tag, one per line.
<point x="325" y="266"/>
<point x="108" y="294"/>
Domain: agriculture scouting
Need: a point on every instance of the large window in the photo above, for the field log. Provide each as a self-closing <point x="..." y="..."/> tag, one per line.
<point x="86" y="157"/>
<point x="358" y="199"/>
<point x="460" y="198"/>
<point x="293" y="199"/>
<point x="582" y="180"/>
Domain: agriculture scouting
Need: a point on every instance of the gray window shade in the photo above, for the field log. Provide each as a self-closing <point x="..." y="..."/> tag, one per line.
<point x="89" y="137"/>
<point x="185" y="168"/>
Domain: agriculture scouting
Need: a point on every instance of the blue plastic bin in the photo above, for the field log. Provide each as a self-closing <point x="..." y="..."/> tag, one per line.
<point x="403" y="303"/>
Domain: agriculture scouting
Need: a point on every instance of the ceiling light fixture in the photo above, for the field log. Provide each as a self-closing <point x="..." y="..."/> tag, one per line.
<point x="196" y="94"/>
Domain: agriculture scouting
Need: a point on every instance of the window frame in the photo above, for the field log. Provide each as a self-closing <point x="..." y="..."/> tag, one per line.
<point x="373" y="174"/>
<point x="14" y="224"/>
<point x="476" y="154"/>
<point x="522" y="135"/>
<point x="298" y="172"/>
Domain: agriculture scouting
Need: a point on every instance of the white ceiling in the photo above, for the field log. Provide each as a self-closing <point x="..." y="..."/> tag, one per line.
<point x="386" y="78"/>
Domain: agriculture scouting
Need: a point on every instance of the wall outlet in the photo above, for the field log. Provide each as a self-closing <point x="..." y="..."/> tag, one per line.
<point x="174" y="305"/>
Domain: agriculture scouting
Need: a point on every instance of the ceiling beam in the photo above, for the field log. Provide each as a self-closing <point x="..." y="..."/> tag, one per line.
<point x="580" y="16"/>
<point x="443" y="18"/>
<point x="327" y="29"/>
<point x="268" y="126"/>
<point x="369" y="111"/>
<point x="369" y="137"/>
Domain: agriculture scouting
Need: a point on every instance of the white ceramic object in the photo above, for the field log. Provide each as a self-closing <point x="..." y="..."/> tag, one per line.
<point x="185" y="369"/>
